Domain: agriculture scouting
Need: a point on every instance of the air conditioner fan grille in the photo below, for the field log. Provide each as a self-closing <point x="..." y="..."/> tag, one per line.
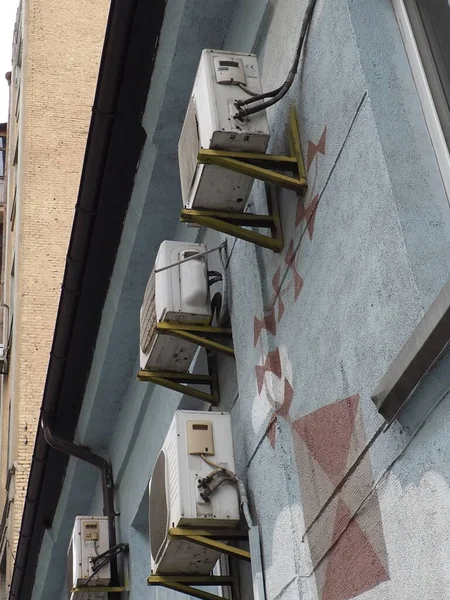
<point x="69" y="571"/>
<point x="148" y="315"/>
<point x="188" y="148"/>
<point x="158" y="507"/>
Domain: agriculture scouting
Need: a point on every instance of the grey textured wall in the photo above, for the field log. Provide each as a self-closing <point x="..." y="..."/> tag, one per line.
<point x="344" y="509"/>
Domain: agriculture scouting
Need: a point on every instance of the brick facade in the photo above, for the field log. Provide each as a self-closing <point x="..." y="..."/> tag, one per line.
<point x="56" y="55"/>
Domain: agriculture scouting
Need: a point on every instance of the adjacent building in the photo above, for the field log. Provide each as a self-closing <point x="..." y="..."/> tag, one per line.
<point x="55" y="60"/>
<point x="339" y="394"/>
<point x="3" y="138"/>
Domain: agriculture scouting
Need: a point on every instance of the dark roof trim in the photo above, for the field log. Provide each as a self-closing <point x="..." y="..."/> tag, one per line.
<point x="416" y="358"/>
<point x="113" y="149"/>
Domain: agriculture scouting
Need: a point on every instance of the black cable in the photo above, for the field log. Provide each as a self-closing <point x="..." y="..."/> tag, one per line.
<point x="215" y="274"/>
<point x="214" y="277"/>
<point x="257" y="97"/>
<point x="117" y="549"/>
<point x="95" y="571"/>
<point x="214" y="280"/>
<point x="247" y="90"/>
<point x="279" y="93"/>
<point x="224" y="478"/>
<point x="107" y="556"/>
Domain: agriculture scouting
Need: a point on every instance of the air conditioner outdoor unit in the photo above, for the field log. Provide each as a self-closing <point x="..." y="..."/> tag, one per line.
<point x="175" y="499"/>
<point x="3" y="361"/>
<point x="177" y="295"/>
<point x="210" y="123"/>
<point x="89" y="538"/>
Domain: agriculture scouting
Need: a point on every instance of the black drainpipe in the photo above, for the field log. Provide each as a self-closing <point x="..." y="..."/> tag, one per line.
<point x="86" y="455"/>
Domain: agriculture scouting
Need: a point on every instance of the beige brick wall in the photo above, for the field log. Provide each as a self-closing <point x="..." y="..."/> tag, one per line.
<point x="62" y="42"/>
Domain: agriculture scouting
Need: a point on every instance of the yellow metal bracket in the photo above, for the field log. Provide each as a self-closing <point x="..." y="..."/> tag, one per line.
<point x="210" y="538"/>
<point x="201" y="335"/>
<point x="265" y="167"/>
<point x="179" y="382"/>
<point x="98" y="590"/>
<point x="233" y="223"/>
<point x="184" y="583"/>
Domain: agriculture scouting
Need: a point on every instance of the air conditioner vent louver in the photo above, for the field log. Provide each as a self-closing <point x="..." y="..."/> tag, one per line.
<point x="158" y="510"/>
<point x="188" y="149"/>
<point x="69" y="571"/>
<point x="148" y="315"/>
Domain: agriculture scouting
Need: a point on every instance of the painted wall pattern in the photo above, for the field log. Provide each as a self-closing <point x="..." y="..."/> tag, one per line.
<point x="342" y="516"/>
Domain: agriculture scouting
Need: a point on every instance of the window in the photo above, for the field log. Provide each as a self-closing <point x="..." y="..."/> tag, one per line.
<point x="4" y="592"/>
<point x="430" y="21"/>
<point x="2" y="155"/>
<point x="421" y="352"/>
<point x="16" y="152"/>
<point x="18" y="100"/>
<point x="425" y="27"/>
<point x="13" y="209"/>
<point x="12" y="291"/>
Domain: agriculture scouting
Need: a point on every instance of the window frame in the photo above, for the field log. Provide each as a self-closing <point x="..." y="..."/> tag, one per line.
<point x="411" y="40"/>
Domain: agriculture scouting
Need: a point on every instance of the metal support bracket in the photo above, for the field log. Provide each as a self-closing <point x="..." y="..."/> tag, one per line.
<point x="201" y="335"/>
<point x="98" y="590"/>
<point x="179" y="382"/>
<point x="211" y="539"/>
<point x="265" y="167"/>
<point x="233" y="223"/>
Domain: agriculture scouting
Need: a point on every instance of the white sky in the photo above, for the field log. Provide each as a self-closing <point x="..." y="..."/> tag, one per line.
<point x="7" y="18"/>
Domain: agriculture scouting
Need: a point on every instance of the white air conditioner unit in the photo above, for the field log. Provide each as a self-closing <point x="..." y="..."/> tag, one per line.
<point x="3" y="361"/>
<point x="177" y="295"/>
<point x="89" y="538"/>
<point x="175" y="499"/>
<point x="210" y="123"/>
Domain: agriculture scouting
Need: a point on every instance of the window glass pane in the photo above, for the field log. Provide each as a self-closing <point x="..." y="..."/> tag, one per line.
<point x="430" y="20"/>
<point x="2" y="156"/>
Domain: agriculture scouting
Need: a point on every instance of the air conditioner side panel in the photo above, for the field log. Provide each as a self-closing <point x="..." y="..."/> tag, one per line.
<point x="214" y="187"/>
<point x="187" y="509"/>
<point x="182" y="556"/>
<point x="88" y="549"/>
<point x="169" y="284"/>
<point x="174" y="466"/>
<point x="82" y="550"/>
<point x="205" y="101"/>
<point x="219" y="189"/>
<point x="225" y="97"/>
<point x="223" y="510"/>
<point x="169" y="354"/>
<point x="181" y="296"/>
